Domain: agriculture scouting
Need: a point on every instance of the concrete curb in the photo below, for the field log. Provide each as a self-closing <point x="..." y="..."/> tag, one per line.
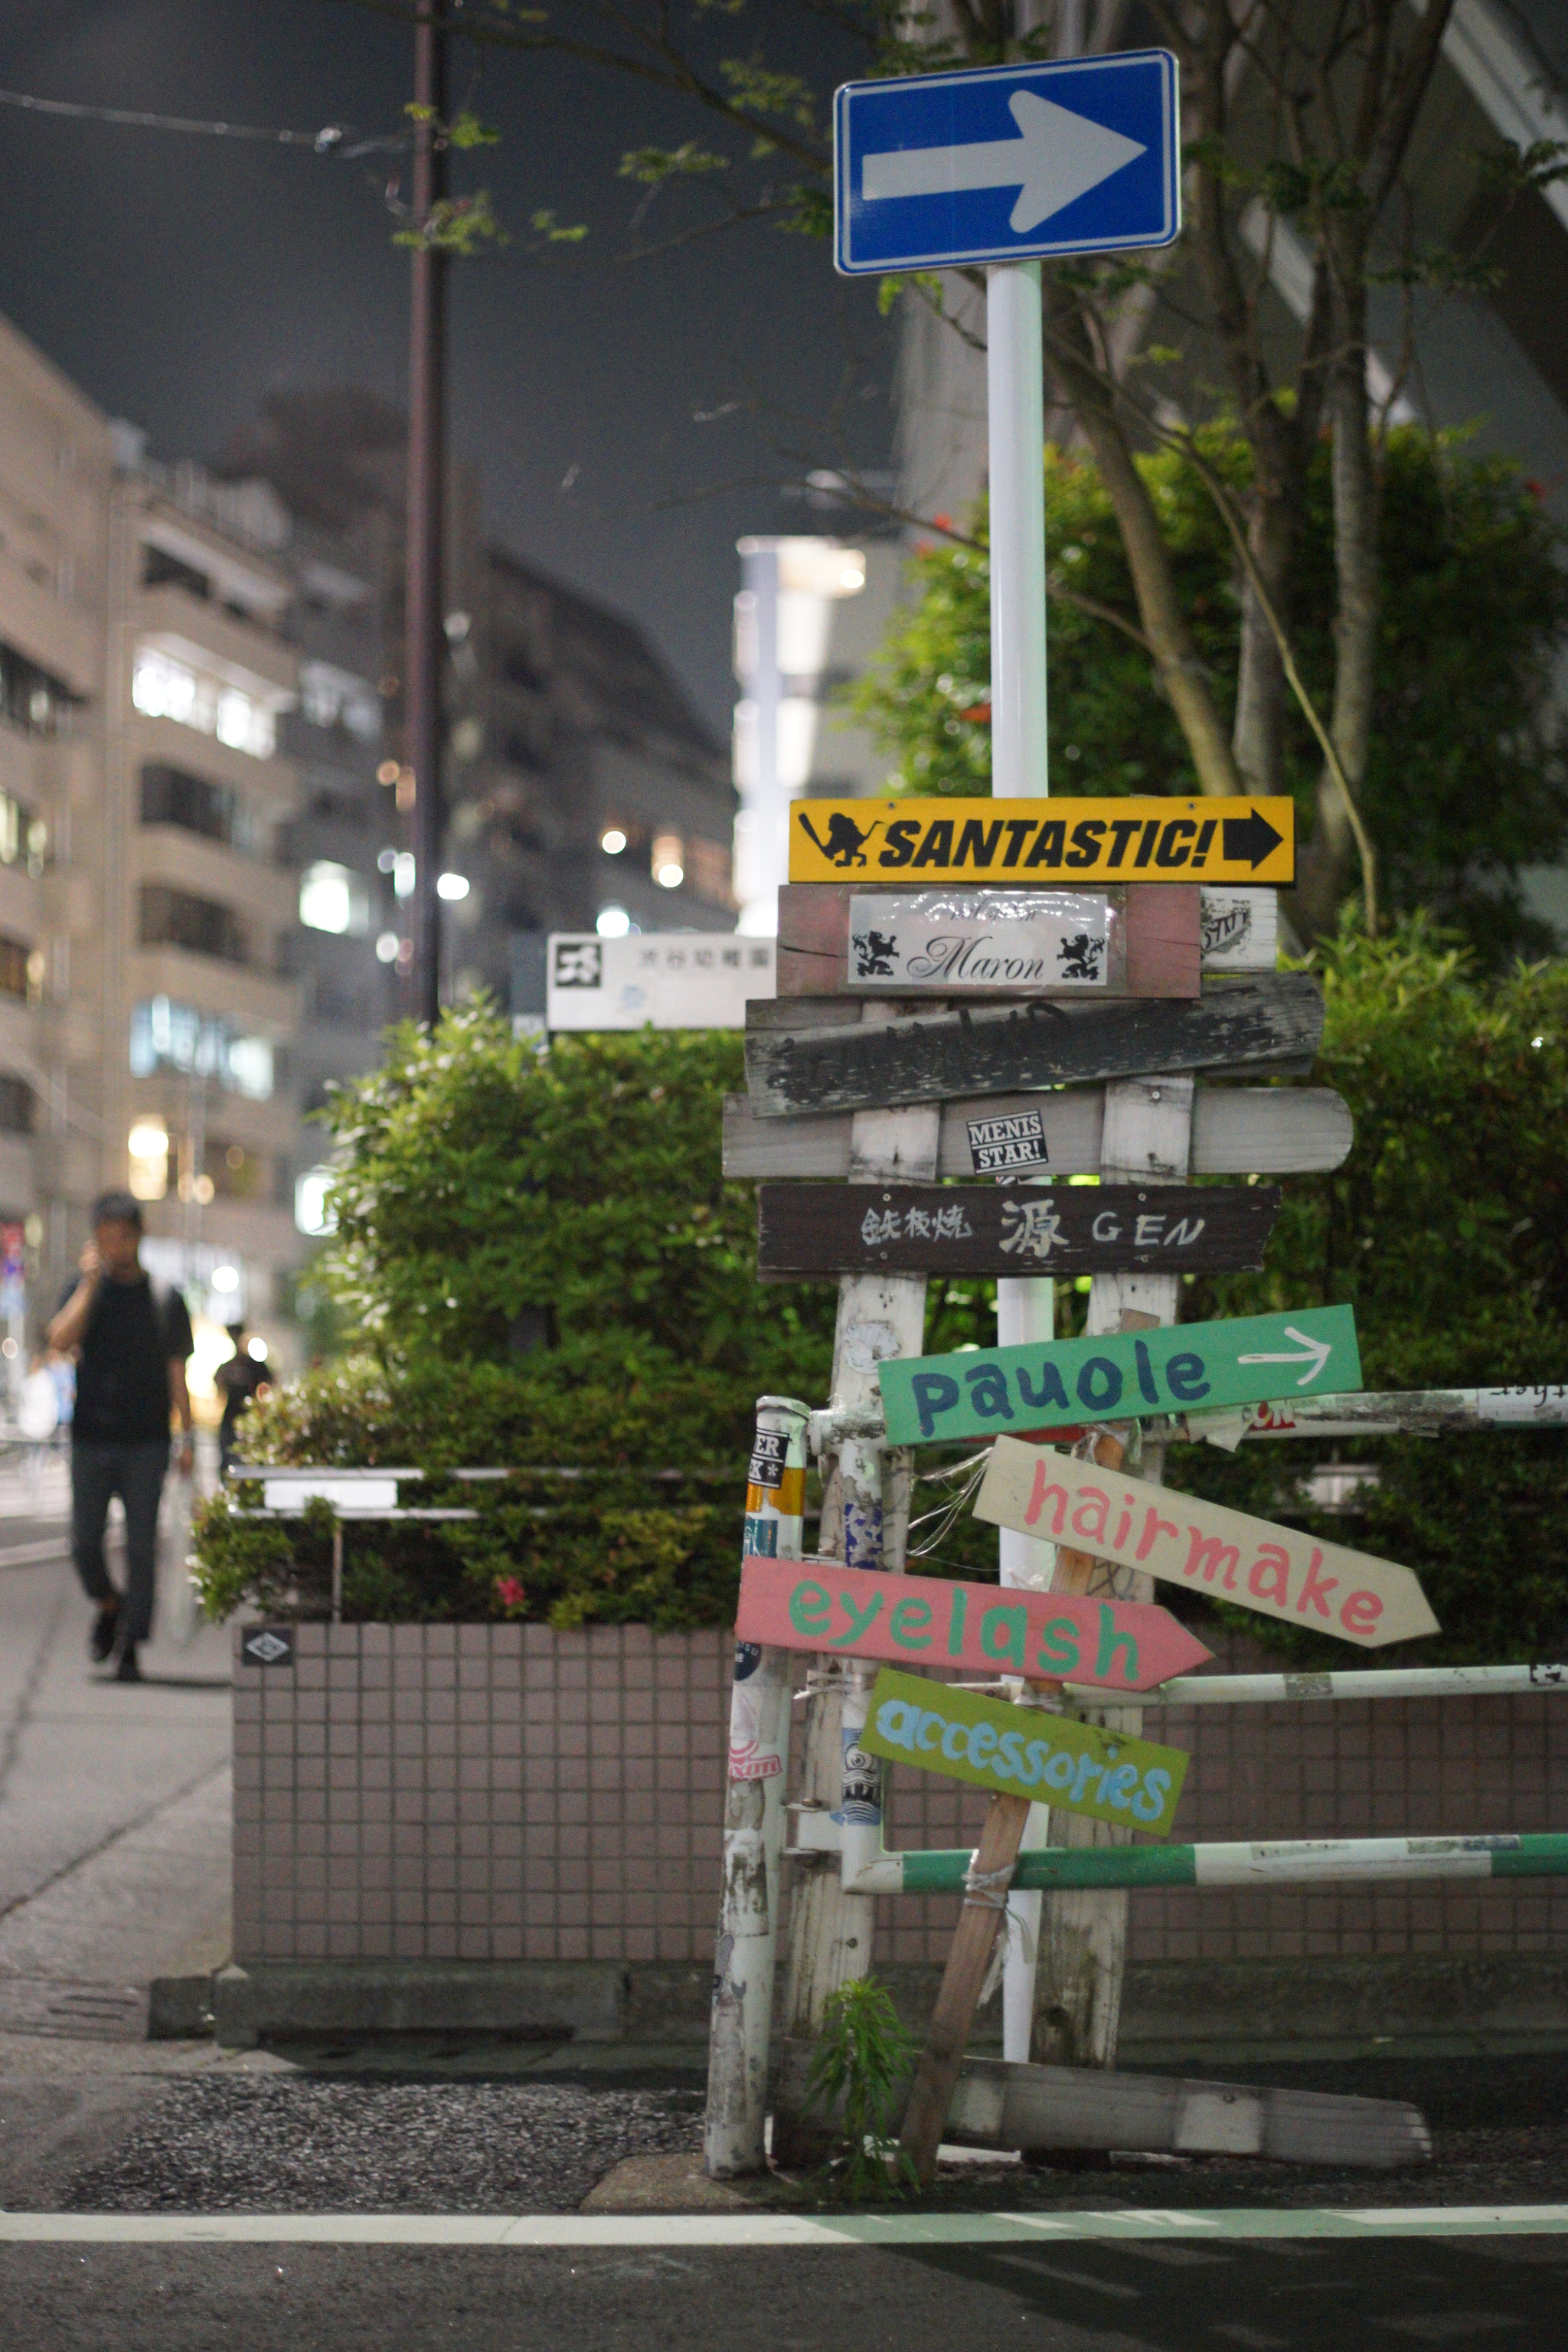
<point x="537" y="2001"/>
<point x="1176" y="2012"/>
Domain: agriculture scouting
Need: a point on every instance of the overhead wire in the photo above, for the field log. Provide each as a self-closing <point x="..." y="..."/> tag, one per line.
<point x="336" y="139"/>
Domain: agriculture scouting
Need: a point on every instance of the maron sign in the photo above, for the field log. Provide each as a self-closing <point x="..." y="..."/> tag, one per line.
<point x="854" y="1613"/>
<point x="1023" y="1751"/>
<point x="1279" y="1572"/>
<point x="1189" y="1367"/>
<point x="908" y="844"/>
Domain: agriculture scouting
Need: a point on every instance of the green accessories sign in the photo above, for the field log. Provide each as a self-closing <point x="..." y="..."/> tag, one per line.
<point x="1024" y="1751"/>
<point x="1188" y="1368"/>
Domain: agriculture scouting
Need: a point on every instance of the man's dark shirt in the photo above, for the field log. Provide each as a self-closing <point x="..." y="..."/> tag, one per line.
<point x="134" y="1328"/>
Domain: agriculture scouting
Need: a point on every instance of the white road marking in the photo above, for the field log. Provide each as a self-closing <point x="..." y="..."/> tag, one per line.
<point x="768" y="2230"/>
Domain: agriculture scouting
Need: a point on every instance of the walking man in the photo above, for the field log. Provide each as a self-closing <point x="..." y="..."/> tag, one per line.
<point x="133" y="1336"/>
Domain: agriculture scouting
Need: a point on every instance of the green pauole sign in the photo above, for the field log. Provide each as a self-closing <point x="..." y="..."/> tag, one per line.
<point x="1024" y="1751"/>
<point x="1189" y="1368"/>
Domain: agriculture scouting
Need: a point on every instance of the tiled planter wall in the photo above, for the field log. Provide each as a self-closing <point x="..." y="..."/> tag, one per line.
<point x="509" y="1793"/>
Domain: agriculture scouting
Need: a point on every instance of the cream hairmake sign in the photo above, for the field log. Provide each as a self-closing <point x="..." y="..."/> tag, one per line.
<point x="1279" y="1571"/>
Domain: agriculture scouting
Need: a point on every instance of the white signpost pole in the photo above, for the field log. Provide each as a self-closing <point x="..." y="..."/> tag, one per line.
<point x="1020" y="769"/>
<point x="1014" y="383"/>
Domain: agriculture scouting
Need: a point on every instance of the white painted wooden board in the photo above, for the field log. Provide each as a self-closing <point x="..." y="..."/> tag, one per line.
<point x="999" y="2106"/>
<point x="1237" y="1132"/>
<point x="1002" y="2105"/>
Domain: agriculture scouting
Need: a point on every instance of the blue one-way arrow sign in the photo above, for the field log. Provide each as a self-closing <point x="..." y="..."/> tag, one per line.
<point x="1007" y="161"/>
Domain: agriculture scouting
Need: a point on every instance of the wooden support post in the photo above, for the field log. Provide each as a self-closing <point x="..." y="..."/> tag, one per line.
<point x="973" y="1938"/>
<point x="880" y="1315"/>
<point x="1082" y="1955"/>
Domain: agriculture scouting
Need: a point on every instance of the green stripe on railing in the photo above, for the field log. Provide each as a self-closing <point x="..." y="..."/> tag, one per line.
<point x="1532" y="1857"/>
<point x="942" y="1873"/>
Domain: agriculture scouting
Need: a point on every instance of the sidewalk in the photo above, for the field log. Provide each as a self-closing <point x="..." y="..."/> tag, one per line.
<point x="114" y="1852"/>
<point x="113" y="1798"/>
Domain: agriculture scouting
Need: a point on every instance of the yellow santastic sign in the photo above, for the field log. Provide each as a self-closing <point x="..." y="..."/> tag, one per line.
<point x="1005" y="842"/>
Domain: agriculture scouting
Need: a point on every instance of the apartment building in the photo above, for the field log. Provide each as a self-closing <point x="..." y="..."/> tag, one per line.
<point x="566" y="734"/>
<point x="348" y="953"/>
<point x="583" y="791"/>
<point x="54" y="488"/>
<point x="195" y="1004"/>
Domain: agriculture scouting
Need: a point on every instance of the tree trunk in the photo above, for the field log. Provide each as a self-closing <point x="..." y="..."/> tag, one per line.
<point x="1257" y="739"/>
<point x="1331" y="865"/>
<point x="1177" y="664"/>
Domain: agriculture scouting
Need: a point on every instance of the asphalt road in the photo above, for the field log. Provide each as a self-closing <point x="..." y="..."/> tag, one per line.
<point x="1282" y="2295"/>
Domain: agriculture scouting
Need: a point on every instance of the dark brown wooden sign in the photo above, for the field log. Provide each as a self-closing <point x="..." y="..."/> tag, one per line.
<point x="1274" y="1019"/>
<point x="840" y="939"/>
<point x="1024" y="1229"/>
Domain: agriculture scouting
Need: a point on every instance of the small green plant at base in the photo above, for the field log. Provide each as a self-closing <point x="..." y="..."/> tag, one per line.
<point x="862" y="2054"/>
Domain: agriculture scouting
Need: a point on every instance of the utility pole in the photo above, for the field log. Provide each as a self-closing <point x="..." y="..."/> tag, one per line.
<point x="424" y="640"/>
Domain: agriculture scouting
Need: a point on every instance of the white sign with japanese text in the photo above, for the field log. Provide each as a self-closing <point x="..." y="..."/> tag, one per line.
<point x="662" y="980"/>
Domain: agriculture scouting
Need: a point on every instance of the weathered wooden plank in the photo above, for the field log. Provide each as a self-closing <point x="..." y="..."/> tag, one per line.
<point x="1075" y="1766"/>
<point x="841" y="940"/>
<point x="995" y="2105"/>
<point x="1236" y="1023"/>
<point x="1278" y="1571"/>
<point x="1161" y="949"/>
<point x="820" y="1604"/>
<point x="827" y="1228"/>
<point x="1061" y="1384"/>
<point x="1076" y="842"/>
<point x="1239" y="930"/>
<point x="968" y="1959"/>
<point x="1237" y="1132"/>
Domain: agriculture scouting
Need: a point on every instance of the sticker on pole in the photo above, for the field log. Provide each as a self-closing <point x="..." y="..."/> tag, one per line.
<point x="1003" y="162"/>
<point x="1024" y="1751"/>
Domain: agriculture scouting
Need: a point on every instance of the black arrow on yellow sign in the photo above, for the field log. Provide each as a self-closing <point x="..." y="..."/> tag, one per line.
<point x="1250" y="838"/>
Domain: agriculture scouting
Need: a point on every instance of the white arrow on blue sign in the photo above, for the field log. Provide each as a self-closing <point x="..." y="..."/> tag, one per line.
<point x="1007" y="161"/>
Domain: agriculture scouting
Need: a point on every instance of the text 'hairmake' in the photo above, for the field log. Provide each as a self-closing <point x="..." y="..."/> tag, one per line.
<point x="1279" y="1572"/>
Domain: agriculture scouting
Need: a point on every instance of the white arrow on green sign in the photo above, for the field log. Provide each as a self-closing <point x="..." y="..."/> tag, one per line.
<point x="1186" y="1368"/>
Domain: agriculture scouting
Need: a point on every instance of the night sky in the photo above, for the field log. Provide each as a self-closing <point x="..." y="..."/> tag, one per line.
<point x="176" y="278"/>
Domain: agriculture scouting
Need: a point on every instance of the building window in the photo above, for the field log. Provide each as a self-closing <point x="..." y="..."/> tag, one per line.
<point x="170" y="796"/>
<point x="236" y="1174"/>
<point x="334" y="899"/>
<point x="168" y="1036"/>
<point x="14" y="969"/>
<point x="708" y="872"/>
<point x="33" y="699"/>
<point x="16" y="1107"/>
<point x="22" y="836"/>
<point x="163" y="687"/>
<point x="179" y="918"/>
<point x="162" y="570"/>
<point x="335" y="697"/>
